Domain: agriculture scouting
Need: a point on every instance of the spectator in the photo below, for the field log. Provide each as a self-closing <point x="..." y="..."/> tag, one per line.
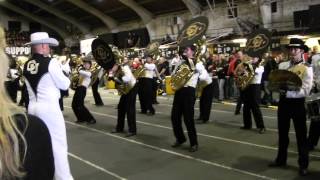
<point x="25" y="145"/>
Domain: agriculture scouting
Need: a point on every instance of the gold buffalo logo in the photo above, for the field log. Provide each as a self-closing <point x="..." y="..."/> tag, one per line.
<point x="101" y="54"/>
<point x="192" y="31"/>
<point x="260" y="41"/>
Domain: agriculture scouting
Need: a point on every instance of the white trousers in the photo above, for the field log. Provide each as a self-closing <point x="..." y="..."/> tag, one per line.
<point x="52" y="116"/>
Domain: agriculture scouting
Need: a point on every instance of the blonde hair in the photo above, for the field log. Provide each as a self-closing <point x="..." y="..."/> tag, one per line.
<point x="10" y="135"/>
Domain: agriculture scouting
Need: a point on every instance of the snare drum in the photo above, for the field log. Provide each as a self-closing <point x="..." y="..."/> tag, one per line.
<point x="313" y="107"/>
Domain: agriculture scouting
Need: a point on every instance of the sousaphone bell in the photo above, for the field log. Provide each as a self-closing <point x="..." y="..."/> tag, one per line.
<point x="102" y="53"/>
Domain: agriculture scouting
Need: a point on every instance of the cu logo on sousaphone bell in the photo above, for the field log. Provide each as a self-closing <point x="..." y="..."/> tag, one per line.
<point x="100" y="53"/>
<point x="260" y="41"/>
<point x="193" y="31"/>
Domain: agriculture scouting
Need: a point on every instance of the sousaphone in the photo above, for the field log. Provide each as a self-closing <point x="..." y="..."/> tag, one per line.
<point x="190" y="34"/>
<point x="257" y="44"/>
<point x="102" y="53"/>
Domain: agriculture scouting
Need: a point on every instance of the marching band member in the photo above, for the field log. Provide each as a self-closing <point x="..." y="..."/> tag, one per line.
<point x="251" y="99"/>
<point x="96" y="95"/>
<point x="237" y="61"/>
<point x="78" y="107"/>
<point x="145" y="88"/>
<point x="183" y="104"/>
<point x="12" y="83"/>
<point x="44" y="78"/>
<point x="127" y="102"/>
<point x="155" y="84"/>
<point x="206" y="96"/>
<point x="292" y="106"/>
<point x="314" y="130"/>
<point x="64" y="60"/>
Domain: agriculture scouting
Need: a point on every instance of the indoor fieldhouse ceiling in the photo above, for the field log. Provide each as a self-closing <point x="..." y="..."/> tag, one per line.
<point x="112" y="8"/>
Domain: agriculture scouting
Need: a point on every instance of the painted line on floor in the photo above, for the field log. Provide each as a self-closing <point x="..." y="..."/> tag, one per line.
<point x="205" y="135"/>
<point x="96" y="166"/>
<point x="212" y="110"/>
<point x="174" y="153"/>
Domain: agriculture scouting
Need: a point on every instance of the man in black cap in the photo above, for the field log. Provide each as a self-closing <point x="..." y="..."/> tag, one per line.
<point x="291" y="106"/>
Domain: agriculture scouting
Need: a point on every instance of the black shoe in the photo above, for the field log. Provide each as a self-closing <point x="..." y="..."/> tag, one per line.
<point x="100" y="104"/>
<point x="236" y="112"/>
<point x="117" y="131"/>
<point x="310" y="147"/>
<point x="303" y="171"/>
<point x="143" y="112"/>
<point x="92" y="121"/>
<point x="177" y="144"/>
<point x="151" y="113"/>
<point x="277" y="164"/>
<point x="199" y="119"/>
<point x="129" y="134"/>
<point x="245" y="128"/>
<point x="156" y="102"/>
<point x="193" y="148"/>
<point x="262" y="130"/>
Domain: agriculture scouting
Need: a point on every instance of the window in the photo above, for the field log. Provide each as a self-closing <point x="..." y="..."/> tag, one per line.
<point x="232" y="10"/>
<point x="273" y="7"/>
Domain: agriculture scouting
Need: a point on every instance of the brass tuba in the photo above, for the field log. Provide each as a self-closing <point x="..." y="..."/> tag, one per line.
<point x="243" y="73"/>
<point x="74" y="76"/>
<point x="257" y="44"/>
<point x="95" y="69"/>
<point x="122" y="87"/>
<point x="139" y="72"/>
<point x="201" y="47"/>
<point x="191" y="34"/>
<point x="20" y="61"/>
<point x="181" y="77"/>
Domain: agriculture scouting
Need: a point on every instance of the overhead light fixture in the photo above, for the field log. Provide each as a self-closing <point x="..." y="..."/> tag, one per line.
<point x="242" y="40"/>
<point x="312" y="42"/>
<point x="295" y="36"/>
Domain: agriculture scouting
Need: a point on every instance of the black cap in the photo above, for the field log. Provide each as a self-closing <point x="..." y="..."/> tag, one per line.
<point x="297" y="43"/>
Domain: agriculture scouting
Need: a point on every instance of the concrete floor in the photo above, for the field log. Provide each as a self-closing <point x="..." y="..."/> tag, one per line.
<point x="225" y="151"/>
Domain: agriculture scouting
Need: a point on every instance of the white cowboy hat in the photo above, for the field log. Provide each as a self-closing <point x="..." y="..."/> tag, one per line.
<point x="42" y="38"/>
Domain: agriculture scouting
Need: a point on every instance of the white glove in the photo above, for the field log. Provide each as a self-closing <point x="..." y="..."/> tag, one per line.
<point x="66" y="67"/>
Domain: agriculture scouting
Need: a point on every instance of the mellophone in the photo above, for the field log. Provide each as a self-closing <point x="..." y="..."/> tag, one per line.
<point x="289" y="81"/>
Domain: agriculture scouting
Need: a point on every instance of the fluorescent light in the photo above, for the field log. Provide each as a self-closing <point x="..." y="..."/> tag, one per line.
<point x="295" y="36"/>
<point x="243" y="40"/>
<point x="312" y="42"/>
